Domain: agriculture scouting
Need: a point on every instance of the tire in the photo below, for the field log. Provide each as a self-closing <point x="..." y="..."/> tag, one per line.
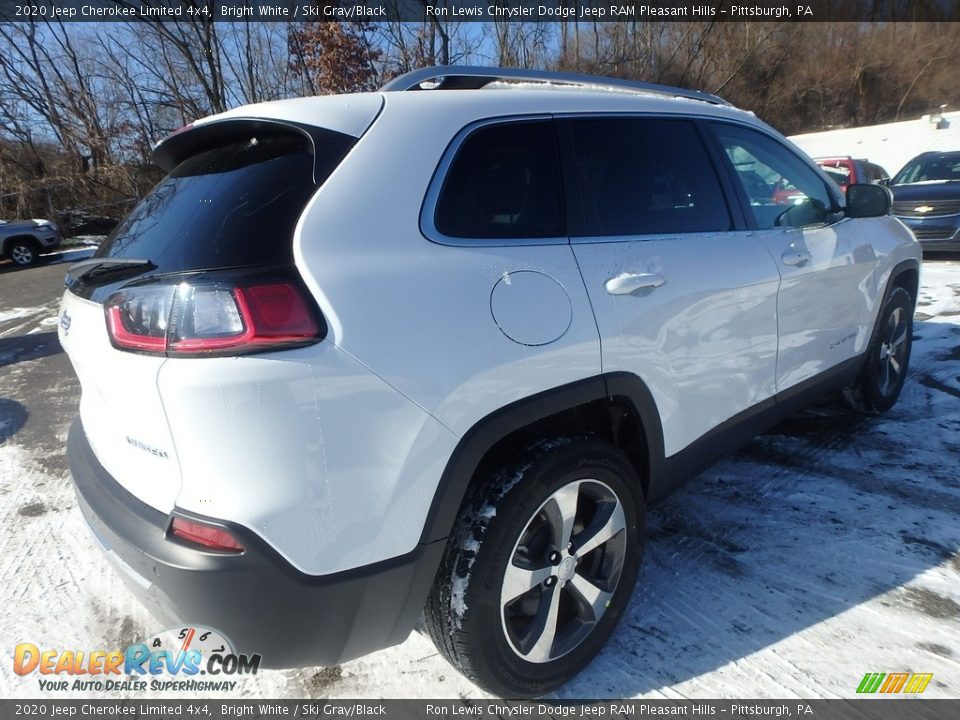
<point x="23" y="252"/>
<point x="491" y="620"/>
<point x="879" y="384"/>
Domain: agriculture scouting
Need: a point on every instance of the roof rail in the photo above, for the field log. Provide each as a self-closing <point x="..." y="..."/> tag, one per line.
<point x="460" y="77"/>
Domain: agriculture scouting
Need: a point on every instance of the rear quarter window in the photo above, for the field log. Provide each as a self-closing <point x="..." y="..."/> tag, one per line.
<point x="504" y="182"/>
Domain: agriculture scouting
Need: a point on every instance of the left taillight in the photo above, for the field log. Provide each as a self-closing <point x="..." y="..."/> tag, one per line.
<point x="192" y="317"/>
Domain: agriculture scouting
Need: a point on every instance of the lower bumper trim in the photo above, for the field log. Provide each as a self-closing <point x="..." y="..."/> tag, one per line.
<point x="256" y="599"/>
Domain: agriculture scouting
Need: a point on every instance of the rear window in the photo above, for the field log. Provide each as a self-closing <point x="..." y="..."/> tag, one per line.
<point x="232" y="205"/>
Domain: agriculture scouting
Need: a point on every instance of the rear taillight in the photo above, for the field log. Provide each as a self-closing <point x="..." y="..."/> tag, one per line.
<point x="204" y="318"/>
<point x="209" y="537"/>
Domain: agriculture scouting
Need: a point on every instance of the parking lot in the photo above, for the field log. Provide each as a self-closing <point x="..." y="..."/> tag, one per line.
<point x="823" y="550"/>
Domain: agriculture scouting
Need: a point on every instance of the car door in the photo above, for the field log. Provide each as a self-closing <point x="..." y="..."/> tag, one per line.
<point x="826" y="263"/>
<point x="683" y="299"/>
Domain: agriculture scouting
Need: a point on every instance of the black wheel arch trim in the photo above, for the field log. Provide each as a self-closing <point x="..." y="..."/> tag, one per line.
<point x="12" y="240"/>
<point x="899" y="269"/>
<point x="902" y="267"/>
<point x="501" y="423"/>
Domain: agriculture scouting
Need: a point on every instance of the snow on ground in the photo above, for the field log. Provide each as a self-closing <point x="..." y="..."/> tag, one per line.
<point x="825" y="549"/>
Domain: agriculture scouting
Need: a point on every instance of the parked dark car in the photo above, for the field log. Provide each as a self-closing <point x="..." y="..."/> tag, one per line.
<point x="926" y="198"/>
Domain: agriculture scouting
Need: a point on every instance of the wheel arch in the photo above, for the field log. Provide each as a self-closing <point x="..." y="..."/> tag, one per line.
<point x="906" y="275"/>
<point x="616" y="406"/>
<point x="7" y="242"/>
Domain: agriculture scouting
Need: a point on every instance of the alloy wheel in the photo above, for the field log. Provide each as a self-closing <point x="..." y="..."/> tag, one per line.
<point x="563" y="571"/>
<point x="21" y="254"/>
<point x="893" y="351"/>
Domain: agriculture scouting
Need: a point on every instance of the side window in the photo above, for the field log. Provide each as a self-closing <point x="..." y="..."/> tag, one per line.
<point x="504" y="183"/>
<point x="782" y="189"/>
<point x="644" y="176"/>
<point x="875" y="173"/>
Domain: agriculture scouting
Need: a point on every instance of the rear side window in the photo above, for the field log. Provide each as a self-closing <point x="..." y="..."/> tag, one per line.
<point x="233" y="205"/>
<point x="503" y="183"/>
<point x="645" y="176"/>
<point x="782" y="189"/>
<point x="875" y="173"/>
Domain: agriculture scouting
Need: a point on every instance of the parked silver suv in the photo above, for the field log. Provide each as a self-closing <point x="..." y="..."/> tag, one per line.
<point x="23" y="240"/>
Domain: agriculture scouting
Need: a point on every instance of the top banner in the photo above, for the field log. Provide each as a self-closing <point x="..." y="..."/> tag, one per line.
<point x="445" y="11"/>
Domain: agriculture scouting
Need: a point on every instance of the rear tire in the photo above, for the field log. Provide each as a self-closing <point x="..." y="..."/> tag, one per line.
<point x="23" y="252"/>
<point x="540" y="567"/>
<point x="878" y="386"/>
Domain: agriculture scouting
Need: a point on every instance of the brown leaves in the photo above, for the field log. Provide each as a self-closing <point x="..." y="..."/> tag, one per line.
<point x="334" y="57"/>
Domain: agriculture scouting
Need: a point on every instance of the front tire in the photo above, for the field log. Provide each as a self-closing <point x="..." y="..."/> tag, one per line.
<point x="879" y="384"/>
<point x="540" y="568"/>
<point x="23" y="252"/>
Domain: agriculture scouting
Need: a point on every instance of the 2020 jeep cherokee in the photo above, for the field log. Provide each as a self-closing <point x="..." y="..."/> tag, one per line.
<point x="366" y="358"/>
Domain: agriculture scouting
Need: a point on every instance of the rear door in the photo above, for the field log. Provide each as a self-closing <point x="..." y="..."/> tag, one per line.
<point x="827" y="264"/>
<point x="683" y="297"/>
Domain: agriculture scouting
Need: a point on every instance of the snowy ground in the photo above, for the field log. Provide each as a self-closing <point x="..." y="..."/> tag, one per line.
<point x="825" y="549"/>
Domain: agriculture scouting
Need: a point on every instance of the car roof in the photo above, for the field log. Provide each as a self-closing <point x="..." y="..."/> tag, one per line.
<point x="352" y="113"/>
<point x="510" y="90"/>
<point x="462" y="95"/>
<point x="937" y="153"/>
<point x="533" y="98"/>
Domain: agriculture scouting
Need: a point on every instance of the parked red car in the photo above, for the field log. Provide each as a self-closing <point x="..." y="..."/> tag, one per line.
<point x="849" y="171"/>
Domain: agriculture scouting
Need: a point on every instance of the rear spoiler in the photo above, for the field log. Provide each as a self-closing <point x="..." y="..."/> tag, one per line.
<point x="187" y="141"/>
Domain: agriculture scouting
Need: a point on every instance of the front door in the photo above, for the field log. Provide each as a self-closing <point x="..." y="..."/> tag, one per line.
<point x="683" y="298"/>
<point x="828" y="288"/>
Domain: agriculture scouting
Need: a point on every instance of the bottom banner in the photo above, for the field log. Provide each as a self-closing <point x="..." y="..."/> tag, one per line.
<point x="860" y="709"/>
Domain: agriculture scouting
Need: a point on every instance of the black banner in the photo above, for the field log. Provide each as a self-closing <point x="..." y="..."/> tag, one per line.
<point x="478" y="10"/>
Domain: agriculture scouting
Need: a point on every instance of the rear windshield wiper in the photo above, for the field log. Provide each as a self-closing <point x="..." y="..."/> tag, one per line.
<point x="86" y="269"/>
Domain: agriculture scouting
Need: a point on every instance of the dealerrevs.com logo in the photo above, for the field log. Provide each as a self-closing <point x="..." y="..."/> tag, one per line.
<point x="188" y="659"/>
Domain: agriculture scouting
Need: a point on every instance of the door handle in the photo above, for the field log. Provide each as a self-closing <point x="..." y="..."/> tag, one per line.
<point x="626" y="283"/>
<point x="795" y="258"/>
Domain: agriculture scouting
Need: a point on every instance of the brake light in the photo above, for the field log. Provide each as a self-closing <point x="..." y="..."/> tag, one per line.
<point x="207" y="536"/>
<point x="210" y="318"/>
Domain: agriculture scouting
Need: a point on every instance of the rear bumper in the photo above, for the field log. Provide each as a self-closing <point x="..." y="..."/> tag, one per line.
<point x="258" y="600"/>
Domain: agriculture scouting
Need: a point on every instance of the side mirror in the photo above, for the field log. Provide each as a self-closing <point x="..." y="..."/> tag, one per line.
<point x="865" y="201"/>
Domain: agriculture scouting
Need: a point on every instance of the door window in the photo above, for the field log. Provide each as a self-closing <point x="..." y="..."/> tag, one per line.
<point x="643" y="176"/>
<point x="782" y="189"/>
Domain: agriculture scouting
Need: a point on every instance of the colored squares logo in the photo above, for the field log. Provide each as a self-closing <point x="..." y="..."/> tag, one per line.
<point x="894" y="683"/>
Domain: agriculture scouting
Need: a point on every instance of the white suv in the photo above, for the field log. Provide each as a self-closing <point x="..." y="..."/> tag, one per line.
<point x="432" y="351"/>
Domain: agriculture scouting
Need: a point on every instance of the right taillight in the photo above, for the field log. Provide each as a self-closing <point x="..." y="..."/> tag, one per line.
<point x="208" y="537"/>
<point x="203" y="317"/>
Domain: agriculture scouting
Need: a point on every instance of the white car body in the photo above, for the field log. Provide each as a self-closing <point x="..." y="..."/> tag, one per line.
<point x="333" y="454"/>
